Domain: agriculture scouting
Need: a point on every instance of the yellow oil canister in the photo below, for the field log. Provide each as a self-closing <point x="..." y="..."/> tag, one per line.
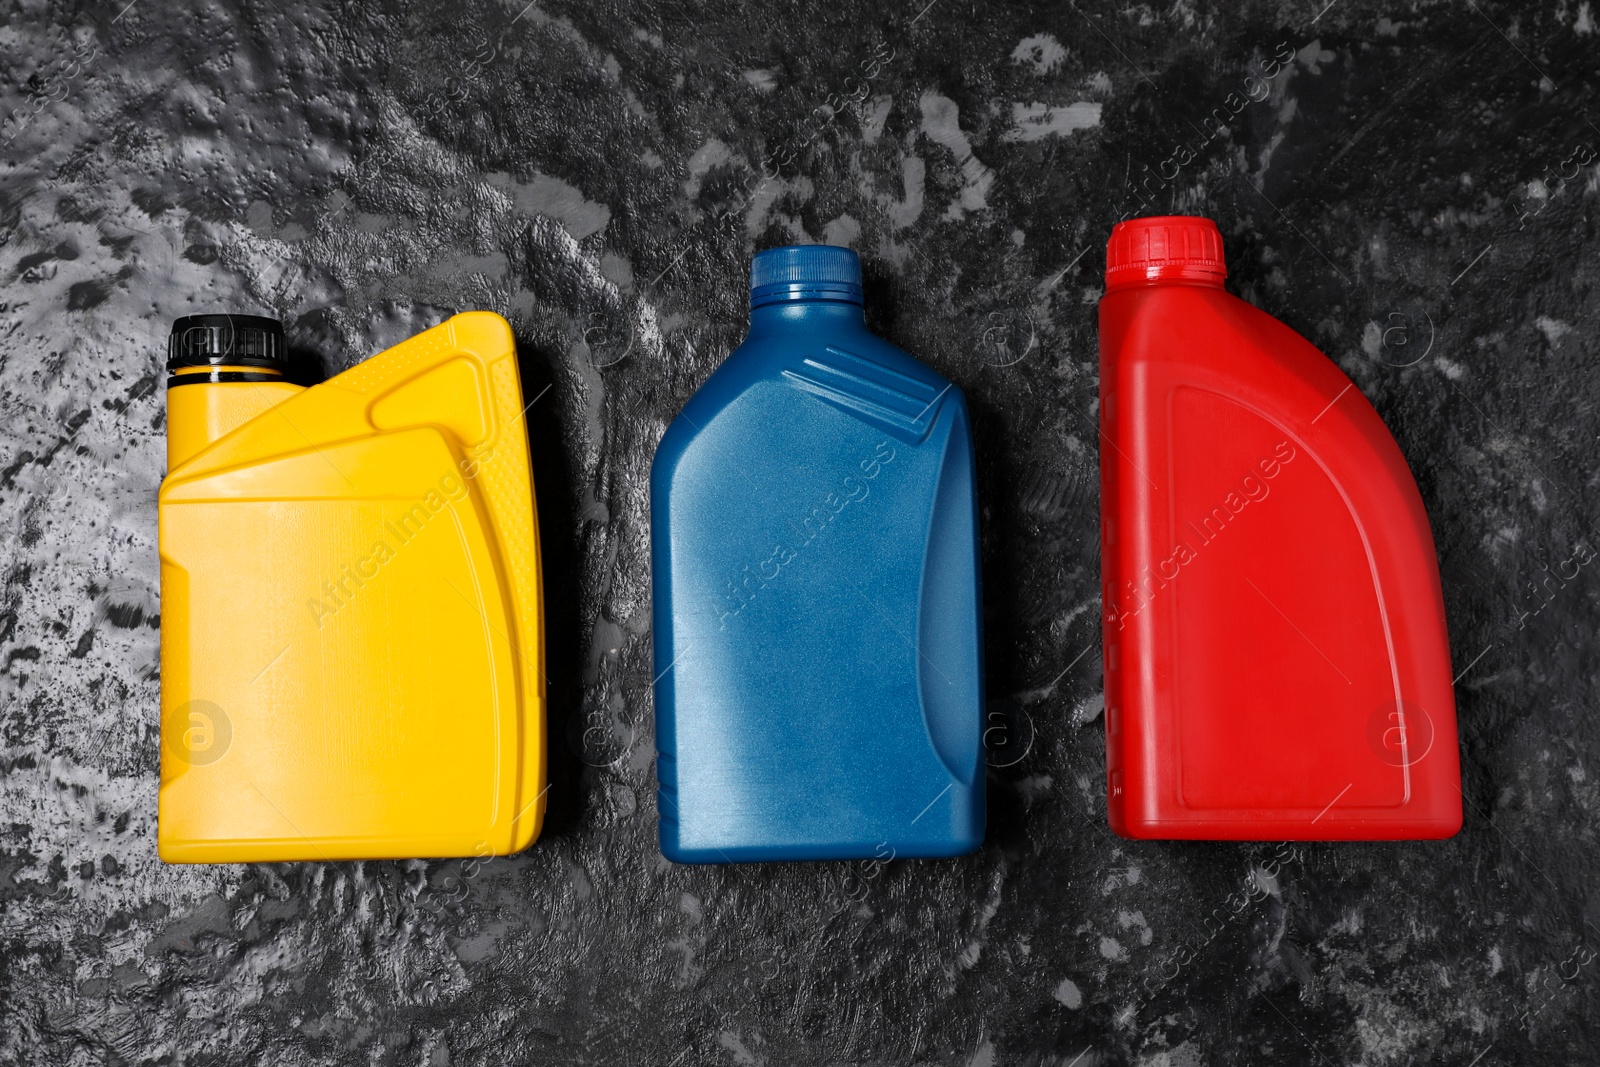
<point x="351" y="610"/>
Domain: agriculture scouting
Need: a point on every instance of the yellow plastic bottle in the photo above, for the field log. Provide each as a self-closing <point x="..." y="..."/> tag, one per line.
<point x="351" y="621"/>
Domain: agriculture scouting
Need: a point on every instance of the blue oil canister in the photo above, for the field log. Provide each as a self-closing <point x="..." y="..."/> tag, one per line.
<point x="814" y="544"/>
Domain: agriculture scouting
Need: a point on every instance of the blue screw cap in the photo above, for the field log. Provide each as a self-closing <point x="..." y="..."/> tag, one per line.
<point x="805" y="272"/>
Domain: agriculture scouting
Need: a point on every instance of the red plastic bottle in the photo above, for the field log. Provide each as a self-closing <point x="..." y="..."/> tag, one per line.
<point x="1276" y="661"/>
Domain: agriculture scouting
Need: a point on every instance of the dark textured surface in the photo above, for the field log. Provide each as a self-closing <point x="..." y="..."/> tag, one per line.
<point x="594" y="173"/>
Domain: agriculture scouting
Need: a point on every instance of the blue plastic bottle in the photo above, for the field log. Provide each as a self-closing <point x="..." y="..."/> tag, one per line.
<point x="814" y="541"/>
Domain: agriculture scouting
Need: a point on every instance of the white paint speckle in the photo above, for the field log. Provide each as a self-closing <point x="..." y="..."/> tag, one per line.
<point x="1263" y="881"/>
<point x="1034" y="122"/>
<point x="1371" y="340"/>
<point x="874" y="115"/>
<point x="1134" y="920"/>
<point x="1185" y="1055"/>
<point x="1348" y="923"/>
<point x="904" y="212"/>
<point x="713" y="153"/>
<point x="1313" y="55"/>
<point x="941" y="123"/>
<point x="842" y="231"/>
<point x="553" y="198"/>
<point x="762" y="80"/>
<point x="791" y="192"/>
<point x="738" y="1050"/>
<point x="1068" y="994"/>
<point x="1553" y="329"/>
<point x="1042" y="52"/>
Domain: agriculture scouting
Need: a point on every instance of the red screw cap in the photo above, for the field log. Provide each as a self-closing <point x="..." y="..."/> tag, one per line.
<point x="1165" y="248"/>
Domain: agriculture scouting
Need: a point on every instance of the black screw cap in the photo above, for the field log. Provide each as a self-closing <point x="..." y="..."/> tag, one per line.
<point x="227" y="341"/>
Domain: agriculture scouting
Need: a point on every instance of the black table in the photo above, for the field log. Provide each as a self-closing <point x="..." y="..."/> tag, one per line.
<point x="1413" y="190"/>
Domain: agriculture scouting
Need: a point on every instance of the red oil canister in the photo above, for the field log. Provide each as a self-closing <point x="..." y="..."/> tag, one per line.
<point x="1276" y="660"/>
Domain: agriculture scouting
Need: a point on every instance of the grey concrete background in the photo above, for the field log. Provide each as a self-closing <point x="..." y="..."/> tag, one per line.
<point x="1411" y="185"/>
